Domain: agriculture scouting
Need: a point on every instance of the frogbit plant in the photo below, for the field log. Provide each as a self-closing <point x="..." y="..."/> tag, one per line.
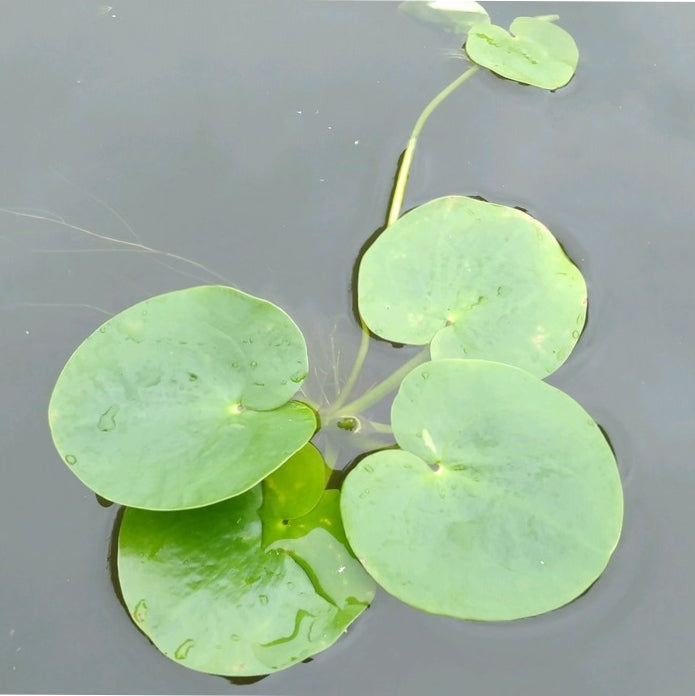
<point x="501" y="498"/>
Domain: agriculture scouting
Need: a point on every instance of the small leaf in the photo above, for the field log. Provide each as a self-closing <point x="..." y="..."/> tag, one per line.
<point x="296" y="487"/>
<point x="505" y="500"/>
<point x="540" y="53"/>
<point x="476" y="280"/>
<point x="455" y="16"/>
<point x="182" y="400"/>
<point x="212" y="595"/>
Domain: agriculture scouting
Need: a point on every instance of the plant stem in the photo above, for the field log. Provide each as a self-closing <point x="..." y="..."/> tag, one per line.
<point x="356" y="369"/>
<point x="383" y="428"/>
<point x="379" y="391"/>
<point x="393" y="214"/>
<point x="404" y="169"/>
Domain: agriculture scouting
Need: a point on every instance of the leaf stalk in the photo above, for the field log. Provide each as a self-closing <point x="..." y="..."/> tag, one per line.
<point x="404" y="169"/>
<point x="393" y="214"/>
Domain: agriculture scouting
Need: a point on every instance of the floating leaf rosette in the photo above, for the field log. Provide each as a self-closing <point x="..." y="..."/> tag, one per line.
<point x="537" y="52"/>
<point x="183" y="400"/>
<point x="475" y="280"/>
<point x="239" y="588"/>
<point x="505" y="500"/>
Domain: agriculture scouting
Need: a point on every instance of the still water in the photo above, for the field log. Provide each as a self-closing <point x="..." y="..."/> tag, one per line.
<point x="255" y="144"/>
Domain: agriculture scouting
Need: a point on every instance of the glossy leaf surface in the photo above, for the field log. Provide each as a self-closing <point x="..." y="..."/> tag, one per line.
<point x="454" y="16"/>
<point x="537" y="53"/>
<point x="476" y="280"/>
<point x="505" y="500"/>
<point x="214" y="594"/>
<point x="183" y="400"/>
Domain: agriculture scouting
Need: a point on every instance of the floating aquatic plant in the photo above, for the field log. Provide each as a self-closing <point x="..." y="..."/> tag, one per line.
<point x="250" y="585"/>
<point x="501" y="498"/>
<point x="183" y="400"/>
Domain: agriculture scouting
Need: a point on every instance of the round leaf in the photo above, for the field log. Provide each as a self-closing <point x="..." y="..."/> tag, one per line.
<point x="295" y="489"/>
<point x="182" y="400"/>
<point x="212" y="595"/>
<point x="505" y="500"/>
<point x="477" y="280"/>
<point x="455" y="16"/>
<point x="540" y="53"/>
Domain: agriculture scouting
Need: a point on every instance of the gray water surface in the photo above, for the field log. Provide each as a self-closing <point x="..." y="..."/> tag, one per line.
<point x="259" y="141"/>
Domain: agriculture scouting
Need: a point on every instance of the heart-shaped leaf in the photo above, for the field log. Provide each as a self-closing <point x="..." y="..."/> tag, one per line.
<point x="212" y="594"/>
<point x="505" y="500"/>
<point x="182" y="400"/>
<point x="454" y="16"/>
<point x="540" y="53"/>
<point x="476" y="280"/>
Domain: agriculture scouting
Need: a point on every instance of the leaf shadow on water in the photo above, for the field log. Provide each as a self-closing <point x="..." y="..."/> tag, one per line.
<point x="104" y="502"/>
<point x="363" y="249"/>
<point x="608" y="440"/>
<point x="353" y="281"/>
<point x="113" y="563"/>
<point x="339" y="475"/>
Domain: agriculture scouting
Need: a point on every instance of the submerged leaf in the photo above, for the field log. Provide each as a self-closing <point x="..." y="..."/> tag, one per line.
<point x="295" y="489"/>
<point x="540" y="53"/>
<point x="211" y="593"/>
<point x="455" y="16"/>
<point x="505" y="500"/>
<point x="476" y="280"/>
<point x="183" y="400"/>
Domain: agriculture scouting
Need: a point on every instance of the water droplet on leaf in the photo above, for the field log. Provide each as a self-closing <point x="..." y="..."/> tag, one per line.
<point x="140" y="611"/>
<point x="71" y="459"/>
<point x="107" y="420"/>
<point x="183" y="649"/>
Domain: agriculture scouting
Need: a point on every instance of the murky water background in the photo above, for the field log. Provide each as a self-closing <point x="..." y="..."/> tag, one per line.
<point x="259" y="139"/>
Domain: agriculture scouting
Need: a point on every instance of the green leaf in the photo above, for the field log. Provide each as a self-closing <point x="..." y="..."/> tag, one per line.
<point x="455" y="16"/>
<point x="540" y="53"/>
<point x="505" y="500"/>
<point x="182" y="400"/>
<point x="211" y="595"/>
<point x="476" y="280"/>
<point x="295" y="489"/>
